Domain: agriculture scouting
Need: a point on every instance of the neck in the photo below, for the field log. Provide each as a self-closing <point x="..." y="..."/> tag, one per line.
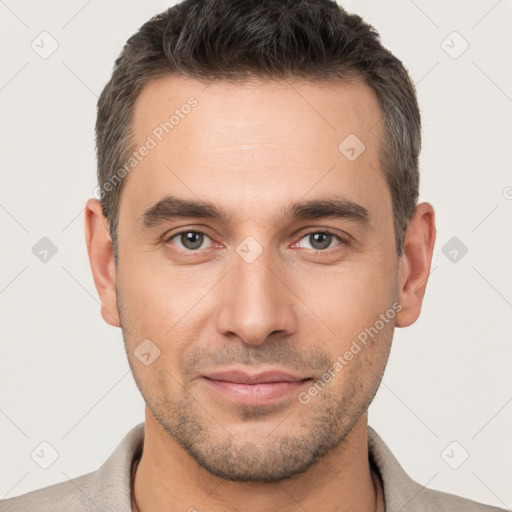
<point x="167" y="478"/>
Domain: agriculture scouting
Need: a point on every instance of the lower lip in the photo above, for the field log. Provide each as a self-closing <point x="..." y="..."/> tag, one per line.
<point x="256" y="394"/>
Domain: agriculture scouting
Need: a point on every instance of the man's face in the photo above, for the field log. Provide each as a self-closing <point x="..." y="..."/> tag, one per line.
<point x="250" y="310"/>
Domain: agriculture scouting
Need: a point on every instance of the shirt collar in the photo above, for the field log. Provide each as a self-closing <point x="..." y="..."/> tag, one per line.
<point x="400" y="490"/>
<point x="114" y="475"/>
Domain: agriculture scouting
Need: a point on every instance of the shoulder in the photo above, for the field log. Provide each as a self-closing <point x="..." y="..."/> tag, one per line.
<point x="451" y="503"/>
<point x="69" y="496"/>
<point x="403" y="494"/>
<point x="106" y="489"/>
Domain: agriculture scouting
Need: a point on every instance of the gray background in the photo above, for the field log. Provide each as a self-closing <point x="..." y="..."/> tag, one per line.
<point x="64" y="377"/>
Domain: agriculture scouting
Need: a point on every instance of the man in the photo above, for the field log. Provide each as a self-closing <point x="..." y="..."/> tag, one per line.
<point x="257" y="240"/>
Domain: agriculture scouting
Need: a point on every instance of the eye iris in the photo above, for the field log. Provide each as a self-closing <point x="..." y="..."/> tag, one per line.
<point x="192" y="240"/>
<point x="324" y="240"/>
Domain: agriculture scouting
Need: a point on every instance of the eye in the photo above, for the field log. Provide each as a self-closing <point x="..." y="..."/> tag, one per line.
<point x="189" y="240"/>
<point x="193" y="241"/>
<point x="320" y="240"/>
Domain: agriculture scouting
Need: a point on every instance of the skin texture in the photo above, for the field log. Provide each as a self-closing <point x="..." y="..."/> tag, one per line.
<point x="254" y="149"/>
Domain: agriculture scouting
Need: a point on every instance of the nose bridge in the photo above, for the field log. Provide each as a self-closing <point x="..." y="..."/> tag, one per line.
<point x="254" y="301"/>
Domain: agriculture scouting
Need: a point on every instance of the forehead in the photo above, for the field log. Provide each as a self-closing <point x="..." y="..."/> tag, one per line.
<point x="259" y="139"/>
<point x="305" y="111"/>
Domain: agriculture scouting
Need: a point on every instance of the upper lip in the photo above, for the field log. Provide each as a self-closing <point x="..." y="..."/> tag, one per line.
<point x="242" y="377"/>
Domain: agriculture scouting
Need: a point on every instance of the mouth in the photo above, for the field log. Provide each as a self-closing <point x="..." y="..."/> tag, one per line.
<point x="255" y="388"/>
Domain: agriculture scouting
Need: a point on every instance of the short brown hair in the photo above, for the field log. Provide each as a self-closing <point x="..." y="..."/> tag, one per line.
<point x="233" y="40"/>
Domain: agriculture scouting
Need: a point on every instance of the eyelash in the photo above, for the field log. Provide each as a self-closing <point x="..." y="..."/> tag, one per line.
<point x="341" y="245"/>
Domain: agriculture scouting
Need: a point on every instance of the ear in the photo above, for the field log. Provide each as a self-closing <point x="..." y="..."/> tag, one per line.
<point x="414" y="265"/>
<point x="101" y="257"/>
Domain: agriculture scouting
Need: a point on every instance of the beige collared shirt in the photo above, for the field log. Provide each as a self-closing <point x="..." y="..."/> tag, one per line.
<point x="109" y="488"/>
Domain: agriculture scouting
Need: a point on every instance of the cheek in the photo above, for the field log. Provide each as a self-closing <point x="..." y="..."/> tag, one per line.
<point x="155" y="294"/>
<point x="164" y="305"/>
<point x="362" y="357"/>
<point x="349" y="300"/>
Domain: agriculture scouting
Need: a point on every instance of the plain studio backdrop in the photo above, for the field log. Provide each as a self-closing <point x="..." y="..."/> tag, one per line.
<point x="445" y="404"/>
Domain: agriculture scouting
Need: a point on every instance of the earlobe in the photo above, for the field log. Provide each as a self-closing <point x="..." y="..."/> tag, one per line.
<point x="415" y="263"/>
<point x="101" y="258"/>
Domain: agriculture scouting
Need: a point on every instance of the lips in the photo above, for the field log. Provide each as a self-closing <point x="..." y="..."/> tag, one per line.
<point x="241" y="377"/>
<point x="254" y="388"/>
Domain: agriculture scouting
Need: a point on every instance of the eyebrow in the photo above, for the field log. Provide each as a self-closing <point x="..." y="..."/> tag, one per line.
<point x="336" y="207"/>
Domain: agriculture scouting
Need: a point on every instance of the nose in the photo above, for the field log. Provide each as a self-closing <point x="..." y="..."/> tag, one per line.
<point x="255" y="301"/>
